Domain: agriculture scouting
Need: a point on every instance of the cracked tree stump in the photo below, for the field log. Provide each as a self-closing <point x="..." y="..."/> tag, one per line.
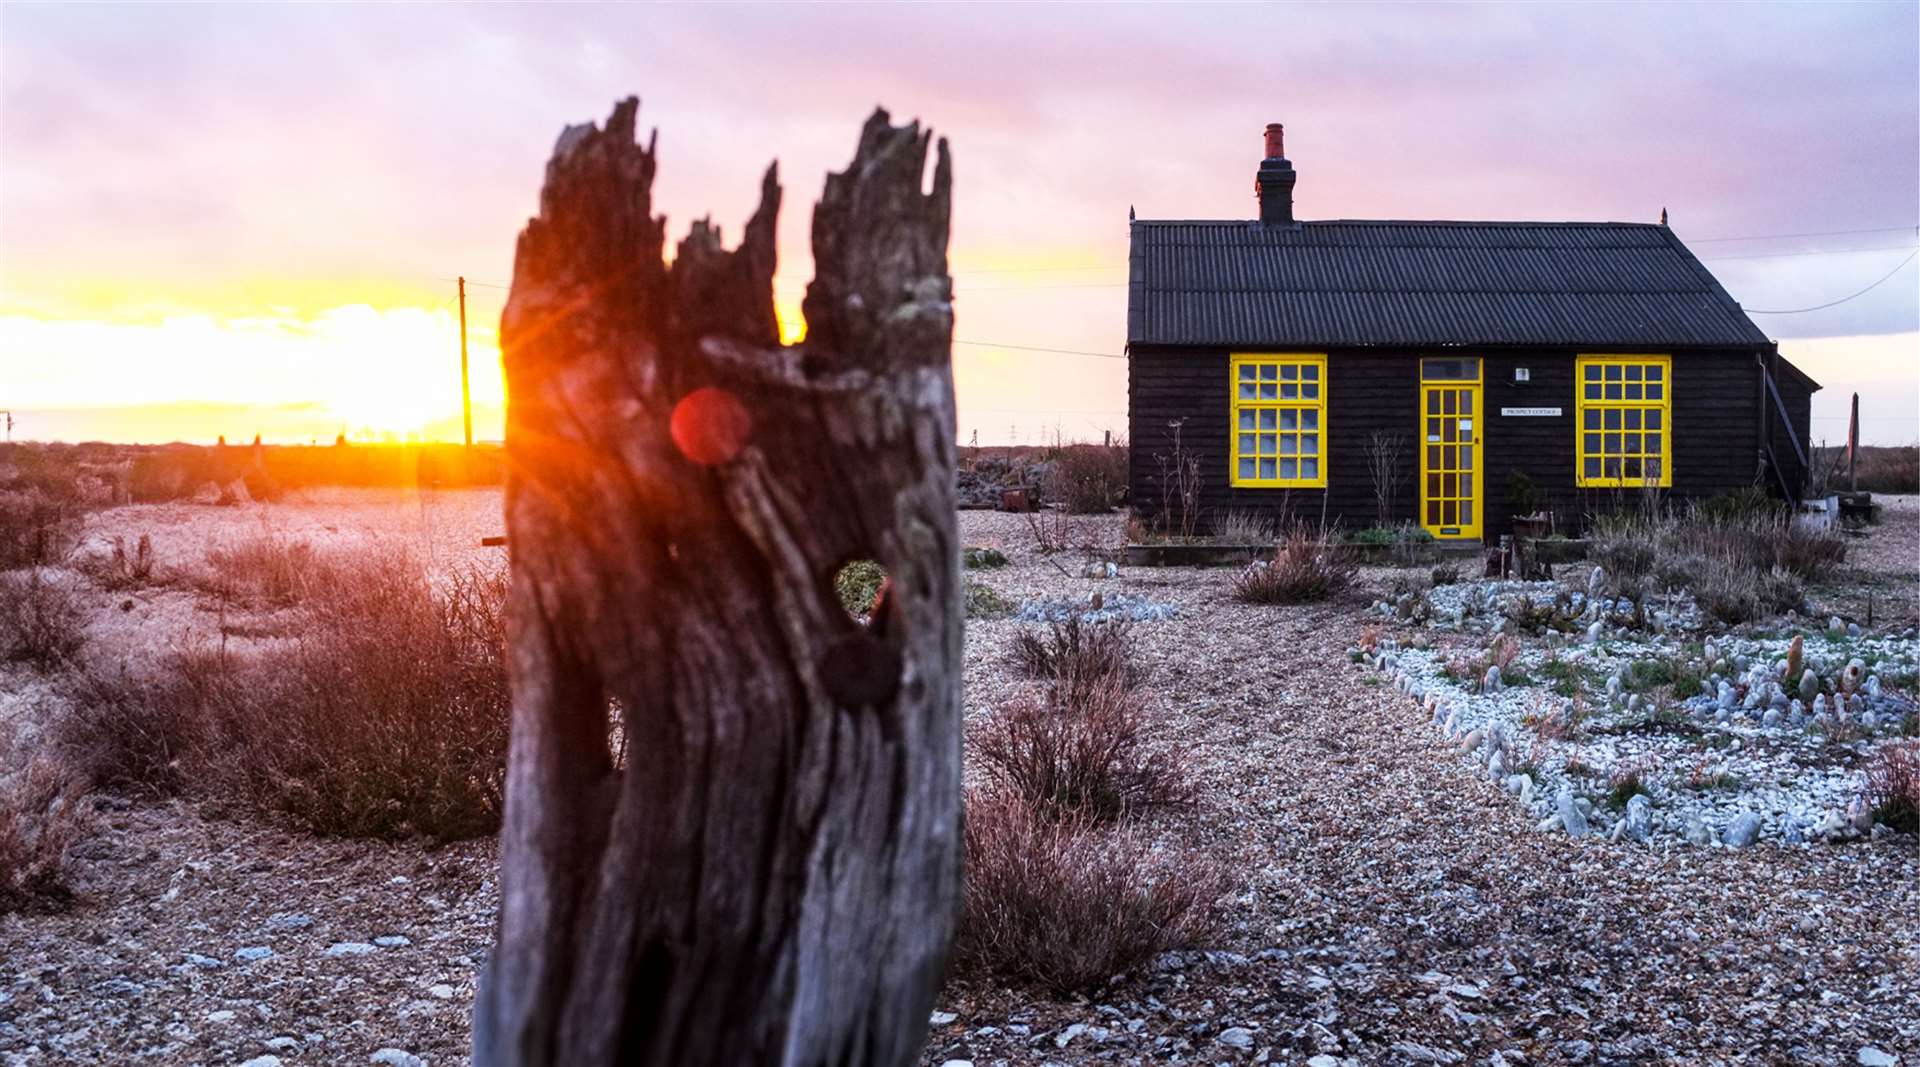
<point x="772" y="877"/>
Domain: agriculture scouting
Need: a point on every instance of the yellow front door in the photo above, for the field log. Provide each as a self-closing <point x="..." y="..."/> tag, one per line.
<point x="1451" y="425"/>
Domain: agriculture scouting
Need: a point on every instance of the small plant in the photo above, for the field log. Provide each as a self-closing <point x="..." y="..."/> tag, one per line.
<point x="1445" y="574"/>
<point x="1893" y="785"/>
<point x="982" y="602"/>
<point x="1066" y="906"/>
<point x="1179" y="488"/>
<point x="1091" y="753"/>
<point x="43" y="814"/>
<point x="1386" y="466"/>
<point x="1302" y="570"/>
<point x="41" y="624"/>
<point x="122" y="569"/>
<point x="974" y="558"/>
<point x="1075" y="655"/>
<point x="1629" y="779"/>
<point x="857" y="584"/>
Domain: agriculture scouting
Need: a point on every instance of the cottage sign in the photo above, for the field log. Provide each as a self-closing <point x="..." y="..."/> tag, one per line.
<point x="1531" y="412"/>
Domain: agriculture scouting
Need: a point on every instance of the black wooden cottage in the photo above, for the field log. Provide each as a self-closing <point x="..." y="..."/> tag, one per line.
<point x="1597" y="359"/>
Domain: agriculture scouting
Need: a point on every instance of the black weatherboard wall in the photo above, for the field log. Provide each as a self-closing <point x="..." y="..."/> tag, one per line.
<point x="1715" y="444"/>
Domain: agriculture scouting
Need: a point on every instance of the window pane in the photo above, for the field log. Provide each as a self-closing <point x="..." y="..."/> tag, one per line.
<point x="1309" y="468"/>
<point x="1593" y="392"/>
<point x="1633" y="418"/>
<point x="1590" y="443"/>
<point x="1272" y="442"/>
<point x="1466" y="459"/>
<point x="1247" y="371"/>
<point x="1633" y="372"/>
<point x="1433" y="514"/>
<point x="1633" y="391"/>
<point x="1653" y="444"/>
<point x="1611" y="465"/>
<point x="1656" y="392"/>
<point x="1287" y="468"/>
<point x="1433" y="485"/>
<point x="1266" y="468"/>
<point x="1246" y="468"/>
<point x="1613" y="445"/>
<point x="1289" y="444"/>
<point x="1267" y="417"/>
<point x="1246" y="392"/>
<point x="1311" y="392"/>
<point x="1289" y="391"/>
<point x="1652" y="416"/>
<point x="1433" y="456"/>
<point x="1309" y="420"/>
<point x="1613" y="419"/>
<point x="1466" y="403"/>
<point x="1267" y="391"/>
<point x="1449" y="402"/>
<point x="1632" y="443"/>
<point x="1289" y="419"/>
<point x="1653" y="468"/>
<point x="1289" y="372"/>
<point x="1591" y="418"/>
<point x="1310" y="444"/>
<point x="1466" y="513"/>
<point x="1613" y="390"/>
<point x="1590" y="467"/>
<point x="1246" y="419"/>
<point x="1268" y="372"/>
<point x="1613" y="372"/>
<point x="1655" y="371"/>
<point x="1630" y="467"/>
<point x="1592" y="372"/>
<point x="1433" y="403"/>
<point x="1246" y="444"/>
<point x="1310" y="372"/>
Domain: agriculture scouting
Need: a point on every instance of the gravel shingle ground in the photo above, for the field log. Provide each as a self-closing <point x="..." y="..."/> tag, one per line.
<point x="1391" y="906"/>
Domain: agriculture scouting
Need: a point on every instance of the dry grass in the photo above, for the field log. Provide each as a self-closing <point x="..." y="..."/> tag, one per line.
<point x="1061" y="904"/>
<point x="1893" y="785"/>
<point x="266" y="569"/>
<point x="1091" y="753"/>
<point x="1303" y="569"/>
<point x="43" y="814"/>
<point x="384" y="715"/>
<point x="40" y="622"/>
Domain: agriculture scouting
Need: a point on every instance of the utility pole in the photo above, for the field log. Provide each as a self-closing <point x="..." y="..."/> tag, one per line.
<point x="9" y="416"/>
<point x="466" y="391"/>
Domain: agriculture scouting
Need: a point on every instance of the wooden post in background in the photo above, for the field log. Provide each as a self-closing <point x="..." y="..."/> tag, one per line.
<point x="772" y="876"/>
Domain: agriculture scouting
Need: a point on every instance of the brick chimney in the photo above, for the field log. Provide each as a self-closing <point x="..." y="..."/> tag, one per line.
<point x="1274" y="182"/>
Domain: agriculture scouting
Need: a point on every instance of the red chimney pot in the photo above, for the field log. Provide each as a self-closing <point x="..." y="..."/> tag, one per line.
<point x="1276" y="146"/>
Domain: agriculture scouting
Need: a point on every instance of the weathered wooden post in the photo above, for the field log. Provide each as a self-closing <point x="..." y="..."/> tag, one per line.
<point x="773" y="876"/>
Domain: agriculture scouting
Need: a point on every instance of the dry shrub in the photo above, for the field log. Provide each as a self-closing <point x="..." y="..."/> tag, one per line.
<point x="1733" y="593"/>
<point x="264" y="569"/>
<point x="1088" y="479"/>
<point x="1241" y="527"/>
<point x="43" y="814"/>
<point x="385" y="715"/>
<point x="1067" y="906"/>
<point x="1893" y="785"/>
<point x="1077" y="656"/>
<point x="1092" y="754"/>
<point x="41" y="624"/>
<point x="1303" y="569"/>
<point x="37" y="529"/>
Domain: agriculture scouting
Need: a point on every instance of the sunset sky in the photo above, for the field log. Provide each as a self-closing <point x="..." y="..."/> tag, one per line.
<point x="230" y="220"/>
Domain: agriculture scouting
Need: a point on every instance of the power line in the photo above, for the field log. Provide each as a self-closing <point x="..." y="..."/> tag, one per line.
<point x="1810" y="252"/>
<point x="1036" y="348"/>
<point x="1789" y="236"/>
<point x="1844" y="299"/>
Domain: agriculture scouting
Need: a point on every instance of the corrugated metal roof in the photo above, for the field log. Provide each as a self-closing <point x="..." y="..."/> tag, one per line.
<point x="1351" y="283"/>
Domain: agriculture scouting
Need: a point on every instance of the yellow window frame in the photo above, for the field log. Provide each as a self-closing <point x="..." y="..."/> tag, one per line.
<point x="1277" y="420"/>
<point x="1623" y="420"/>
<point x="1452" y="399"/>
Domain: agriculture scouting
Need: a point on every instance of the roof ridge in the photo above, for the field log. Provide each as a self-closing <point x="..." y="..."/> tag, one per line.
<point x="1489" y="223"/>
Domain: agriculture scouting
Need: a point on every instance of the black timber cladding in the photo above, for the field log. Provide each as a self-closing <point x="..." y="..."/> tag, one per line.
<point x="1364" y="283"/>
